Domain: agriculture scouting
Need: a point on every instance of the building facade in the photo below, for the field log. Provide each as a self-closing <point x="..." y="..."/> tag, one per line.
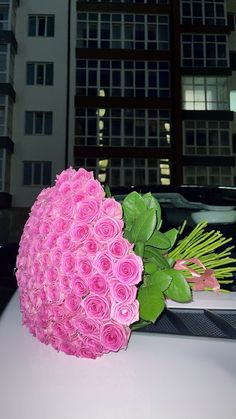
<point x="138" y="91"/>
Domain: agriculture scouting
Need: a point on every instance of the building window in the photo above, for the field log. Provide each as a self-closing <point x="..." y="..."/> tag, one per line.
<point x="128" y="171"/>
<point x="2" y="164"/>
<point x="3" y="63"/>
<point x="208" y="176"/>
<point x="6" y="111"/>
<point x="122" y="78"/>
<point x="207" y="138"/>
<point x="125" y="1"/>
<point x="204" y="50"/>
<point x="41" y="25"/>
<point x="39" y="74"/>
<point x="126" y="31"/>
<point x="203" y="12"/>
<point x="38" y="123"/>
<point x="4" y="16"/>
<point x="37" y="173"/>
<point x="205" y="93"/>
<point x="122" y="127"/>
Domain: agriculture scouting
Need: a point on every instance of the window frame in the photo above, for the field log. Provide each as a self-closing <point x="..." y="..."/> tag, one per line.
<point x="199" y="89"/>
<point x="32" y="73"/>
<point x="36" y="119"/>
<point x="33" y="166"/>
<point x="36" y="29"/>
<point x="208" y="127"/>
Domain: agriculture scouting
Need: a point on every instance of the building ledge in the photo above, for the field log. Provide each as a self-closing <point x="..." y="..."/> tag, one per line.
<point x="5" y="200"/>
<point x="208" y="115"/>
<point x="8" y="37"/>
<point x="7" y="89"/>
<point x="6" y="142"/>
<point x="208" y="161"/>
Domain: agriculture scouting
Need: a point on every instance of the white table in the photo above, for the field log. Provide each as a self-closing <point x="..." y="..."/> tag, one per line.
<point x="158" y="377"/>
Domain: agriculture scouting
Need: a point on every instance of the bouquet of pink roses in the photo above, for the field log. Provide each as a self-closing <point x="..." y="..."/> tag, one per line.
<point x="89" y="269"/>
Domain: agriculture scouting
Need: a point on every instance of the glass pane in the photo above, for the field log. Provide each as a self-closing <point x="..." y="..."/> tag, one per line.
<point x="29" y="122"/>
<point x="38" y="122"/>
<point x="47" y="168"/>
<point x="40" y="74"/>
<point x="48" y="123"/>
<point x="27" y="173"/>
<point x="50" y="26"/>
<point x="30" y="74"/>
<point x="49" y="74"/>
<point x="32" y="26"/>
<point x="41" y="26"/>
<point x="37" y="174"/>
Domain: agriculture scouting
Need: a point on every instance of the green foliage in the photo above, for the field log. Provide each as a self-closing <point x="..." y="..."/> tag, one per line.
<point x="142" y="216"/>
<point x="159" y="252"/>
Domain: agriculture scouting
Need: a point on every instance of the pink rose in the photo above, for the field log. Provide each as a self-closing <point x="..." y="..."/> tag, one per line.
<point x="87" y="210"/>
<point x="86" y="325"/>
<point x="112" y="208"/>
<point x="65" y="187"/>
<point x="53" y="294"/>
<point x="51" y="275"/>
<point x="51" y="240"/>
<point x="44" y="228"/>
<point x="68" y="347"/>
<point x="68" y="262"/>
<point x="119" y="247"/>
<point x="79" y="232"/>
<point x="64" y="176"/>
<point x="96" y="307"/>
<point x="61" y="225"/>
<point x="103" y="264"/>
<point x="114" y="336"/>
<point x="94" y="188"/>
<point x="91" y="246"/>
<point x="84" y="266"/>
<point x="83" y="176"/>
<point x="98" y="284"/>
<point x="65" y="243"/>
<point x="66" y="208"/>
<point x="93" y="343"/>
<point x="106" y="229"/>
<point x="124" y="313"/>
<point x="59" y="331"/>
<point x="128" y="270"/>
<point x="79" y="287"/>
<point x="72" y="302"/>
<point x="56" y="256"/>
<point x="122" y="293"/>
<point x="65" y="283"/>
<point x="85" y="352"/>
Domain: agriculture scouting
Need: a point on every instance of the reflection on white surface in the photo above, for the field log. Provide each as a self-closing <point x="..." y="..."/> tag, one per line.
<point x="159" y="376"/>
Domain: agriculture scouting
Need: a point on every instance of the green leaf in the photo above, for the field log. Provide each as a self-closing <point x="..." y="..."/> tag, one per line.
<point x="150" y="267"/>
<point x="179" y="289"/>
<point x="139" y="249"/>
<point x="151" y="302"/>
<point x="161" y="279"/>
<point x="143" y="226"/>
<point x="159" y="240"/>
<point x="152" y="202"/>
<point x="107" y="191"/>
<point x="133" y="205"/>
<point x="172" y="236"/>
<point x="154" y="255"/>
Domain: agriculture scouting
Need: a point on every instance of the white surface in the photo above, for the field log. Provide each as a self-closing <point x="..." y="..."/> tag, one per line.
<point x="215" y="217"/>
<point x="208" y="300"/>
<point x="158" y="377"/>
